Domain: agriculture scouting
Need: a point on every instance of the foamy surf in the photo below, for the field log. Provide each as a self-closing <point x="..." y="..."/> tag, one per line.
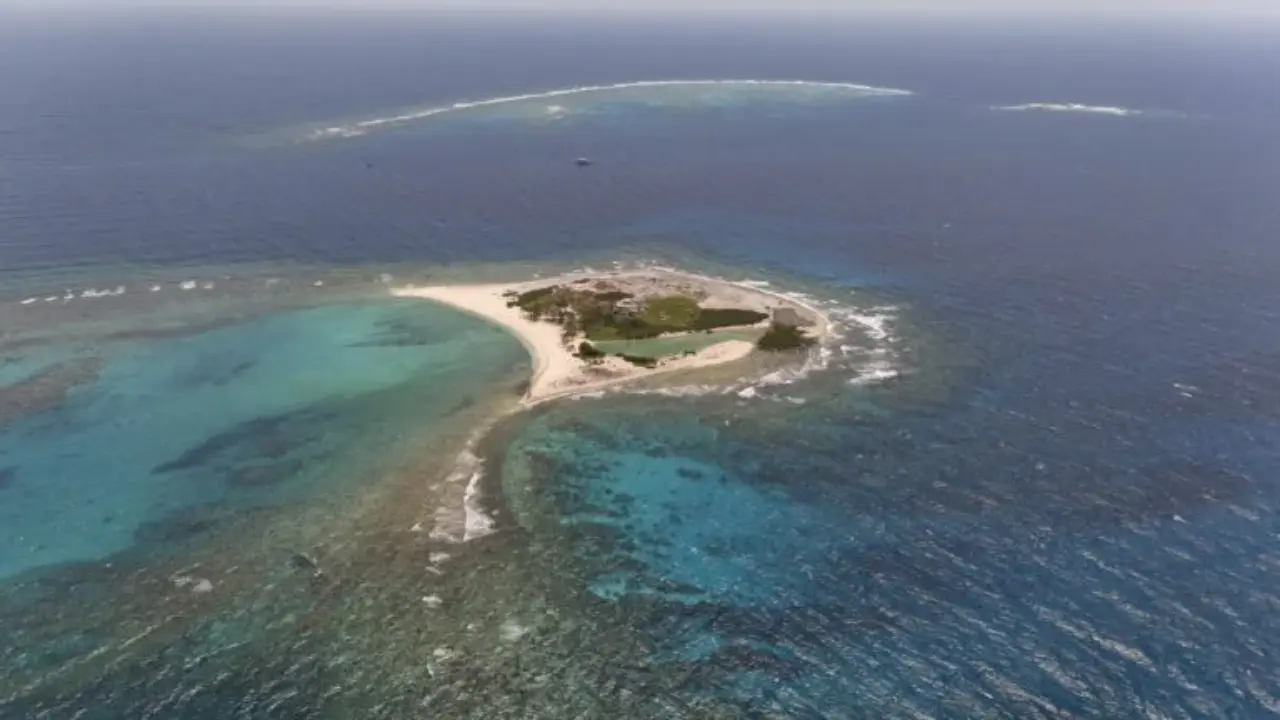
<point x="874" y="374"/>
<point x="100" y="293"/>
<point x="859" y="343"/>
<point x="90" y="293"/>
<point x="469" y="521"/>
<point x="477" y="523"/>
<point x="1112" y="110"/>
<point x="679" y="391"/>
<point x="362" y="127"/>
<point x="78" y="294"/>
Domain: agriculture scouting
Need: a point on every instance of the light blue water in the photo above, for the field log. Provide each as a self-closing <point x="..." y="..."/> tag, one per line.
<point x="251" y="413"/>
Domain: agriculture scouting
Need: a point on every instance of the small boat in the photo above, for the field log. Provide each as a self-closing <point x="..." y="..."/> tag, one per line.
<point x="583" y="162"/>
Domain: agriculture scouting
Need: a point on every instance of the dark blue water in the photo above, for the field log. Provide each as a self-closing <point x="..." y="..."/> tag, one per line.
<point x="1065" y="506"/>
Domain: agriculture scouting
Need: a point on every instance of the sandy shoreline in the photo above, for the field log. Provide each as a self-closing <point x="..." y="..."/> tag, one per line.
<point x="557" y="372"/>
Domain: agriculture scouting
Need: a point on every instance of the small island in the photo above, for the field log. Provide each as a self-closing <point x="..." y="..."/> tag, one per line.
<point x="587" y="331"/>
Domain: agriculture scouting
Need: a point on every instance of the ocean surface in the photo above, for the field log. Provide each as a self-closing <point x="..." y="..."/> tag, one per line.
<point x="1036" y="475"/>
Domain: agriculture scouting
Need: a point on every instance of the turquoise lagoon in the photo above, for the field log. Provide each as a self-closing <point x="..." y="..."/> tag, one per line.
<point x="279" y="463"/>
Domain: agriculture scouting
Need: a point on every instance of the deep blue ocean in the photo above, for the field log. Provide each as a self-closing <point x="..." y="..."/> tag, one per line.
<point x="1038" y="476"/>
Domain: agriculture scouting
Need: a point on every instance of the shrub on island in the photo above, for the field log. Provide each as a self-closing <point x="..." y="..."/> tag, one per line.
<point x="613" y="315"/>
<point x="587" y="351"/>
<point x="712" y="318"/>
<point x="536" y="303"/>
<point x="645" y="362"/>
<point x="783" y="337"/>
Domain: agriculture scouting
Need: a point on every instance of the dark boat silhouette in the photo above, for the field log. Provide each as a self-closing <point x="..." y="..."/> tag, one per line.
<point x="583" y="162"/>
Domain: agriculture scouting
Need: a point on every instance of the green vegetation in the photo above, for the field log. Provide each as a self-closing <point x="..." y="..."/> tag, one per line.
<point x="713" y="318"/>
<point x="536" y="303"/>
<point x="647" y="362"/>
<point x="604" y="320"/>
<point x="587" y="351"/>
<point x="604" y="314"/>
<point x="784" y="337"/>
<point x="525" y="299"/>
<point x="674" y="311"/>
<point x="613" y="296"/>
<point x="621" y="326"/>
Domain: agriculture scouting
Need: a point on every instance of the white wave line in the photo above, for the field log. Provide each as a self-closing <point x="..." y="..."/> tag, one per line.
<point x="364" y="126"/>
<point x="870" y="366"/>
<point x="468" y="520"/>
<point x="1071" y="108"/>
<point x="477" y="523"/>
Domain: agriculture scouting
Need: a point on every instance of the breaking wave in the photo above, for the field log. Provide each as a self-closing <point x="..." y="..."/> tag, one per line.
<point x="80" y="294"/>
<point x="364" y="127"/>
<point x="1114" y="111"/>
<point x="861" y="344"/>
<point x="468" y="520"/>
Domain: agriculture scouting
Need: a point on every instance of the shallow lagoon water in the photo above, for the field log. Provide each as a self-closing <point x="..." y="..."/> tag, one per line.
<point x="245" y="413"/>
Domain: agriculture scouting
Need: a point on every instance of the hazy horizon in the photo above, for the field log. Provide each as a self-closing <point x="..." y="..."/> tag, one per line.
<point x="1154" y="10"/>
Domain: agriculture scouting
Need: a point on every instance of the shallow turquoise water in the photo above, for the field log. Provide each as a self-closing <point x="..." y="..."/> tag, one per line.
<point x="255" y="412"/>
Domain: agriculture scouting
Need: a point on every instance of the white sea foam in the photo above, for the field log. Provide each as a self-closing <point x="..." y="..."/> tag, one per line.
<point x="198" y="585"/>
<point x="874" y="322"/>
<point x="30" y="300"/>
<point x="362" y="127"/>
<point x="860" y="343"/>
<point x="478" y="524"/>
<point x="156" y="288"/>
<point x="468" y="468"/>
<point x="440" y="532"/>
<point x="1112" y="110"/>
<point x="875" y="373"/>
<point x="512" y="630"/>
<point x="87" y="294"/>
<point x="871" y="361"/>
<point x="188" y="285"/>
<point x="677" y="390"/>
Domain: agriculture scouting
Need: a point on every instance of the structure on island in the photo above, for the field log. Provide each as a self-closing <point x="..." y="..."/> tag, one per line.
<point x="586" y="331"/>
